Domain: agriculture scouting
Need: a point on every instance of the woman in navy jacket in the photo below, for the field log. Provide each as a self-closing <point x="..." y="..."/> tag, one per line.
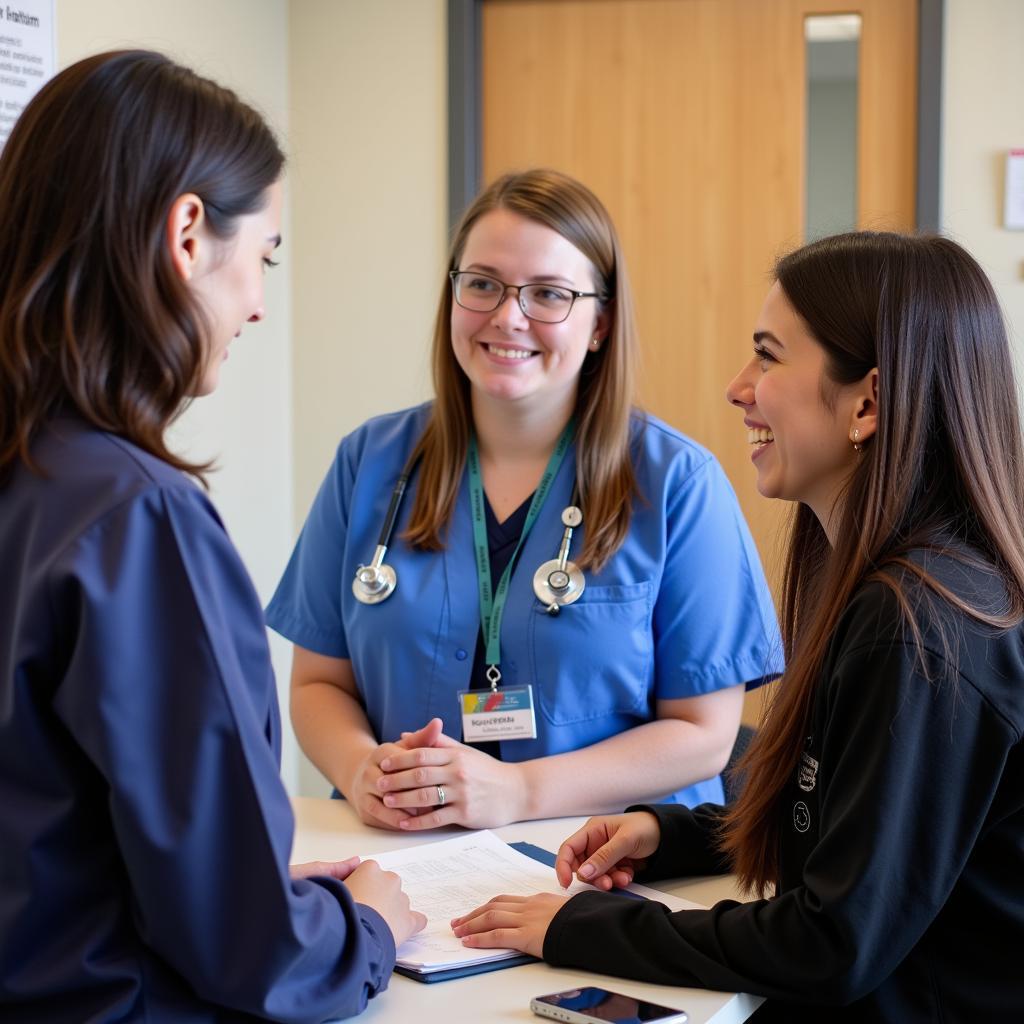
<point x="144" y="830"/>
<point x="883" y="806"/>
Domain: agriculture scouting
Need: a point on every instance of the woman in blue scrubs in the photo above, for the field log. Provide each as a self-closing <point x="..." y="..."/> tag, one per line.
<point x="635" y="688"/>
<point x="144" y="830"/>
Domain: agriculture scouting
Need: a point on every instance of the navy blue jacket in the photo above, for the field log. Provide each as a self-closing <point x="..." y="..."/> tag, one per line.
<point x="144" y="830"/>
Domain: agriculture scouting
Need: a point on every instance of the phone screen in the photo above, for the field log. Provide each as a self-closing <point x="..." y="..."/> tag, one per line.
<point x="610" y="1006"/>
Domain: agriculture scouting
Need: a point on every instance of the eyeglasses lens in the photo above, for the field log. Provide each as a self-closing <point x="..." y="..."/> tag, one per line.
<point x="541" y="302"/>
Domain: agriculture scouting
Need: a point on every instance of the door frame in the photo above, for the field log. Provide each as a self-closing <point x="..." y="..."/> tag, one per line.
<point x="465" y="130"/>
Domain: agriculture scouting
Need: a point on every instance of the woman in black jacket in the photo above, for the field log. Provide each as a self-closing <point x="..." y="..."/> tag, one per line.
<point x="883" y="822"/>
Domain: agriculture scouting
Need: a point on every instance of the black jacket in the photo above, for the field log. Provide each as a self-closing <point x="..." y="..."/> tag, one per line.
<point x="901" y="895"/>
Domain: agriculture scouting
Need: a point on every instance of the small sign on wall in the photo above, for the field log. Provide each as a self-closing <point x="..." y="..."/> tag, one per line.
<point x="27" y="55"/>
<point x="1013" y="216"/>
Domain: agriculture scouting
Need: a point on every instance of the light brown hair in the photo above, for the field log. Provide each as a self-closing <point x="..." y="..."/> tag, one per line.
<point x="93" y="316"/>
<point x="943" y="471"/>
<point x="604" y="403"/>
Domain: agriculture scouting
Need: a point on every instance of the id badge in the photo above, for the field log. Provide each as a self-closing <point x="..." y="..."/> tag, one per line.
<point x="505" y="714"/>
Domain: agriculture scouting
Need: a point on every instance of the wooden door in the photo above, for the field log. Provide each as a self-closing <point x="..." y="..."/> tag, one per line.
<point x="687" y="118"/>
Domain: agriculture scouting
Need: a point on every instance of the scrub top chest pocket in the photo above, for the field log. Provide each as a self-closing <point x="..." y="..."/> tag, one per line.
<point x="601" y="649"/>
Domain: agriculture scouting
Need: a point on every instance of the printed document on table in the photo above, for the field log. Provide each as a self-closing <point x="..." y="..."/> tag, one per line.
<point x="453" y="876"/>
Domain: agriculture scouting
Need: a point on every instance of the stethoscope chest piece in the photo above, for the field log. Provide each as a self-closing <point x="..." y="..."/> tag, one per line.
<point x="560" y="582"/>
<point x="374" y="583"/>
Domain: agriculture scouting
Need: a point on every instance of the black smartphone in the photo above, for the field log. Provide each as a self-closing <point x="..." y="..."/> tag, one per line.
<point x="593" y="1005"/>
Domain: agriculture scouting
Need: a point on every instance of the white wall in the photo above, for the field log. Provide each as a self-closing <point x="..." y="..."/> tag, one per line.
<point x="983" y="117"/>
<point x="246" y="424"/>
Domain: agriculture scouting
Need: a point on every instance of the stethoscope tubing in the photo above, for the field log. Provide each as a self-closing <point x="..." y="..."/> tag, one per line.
<point x="376" y="582"/>
<point x="388" y="526"/>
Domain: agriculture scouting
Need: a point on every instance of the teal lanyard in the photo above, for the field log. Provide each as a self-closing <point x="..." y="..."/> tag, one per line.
<point x="492" y="603"/>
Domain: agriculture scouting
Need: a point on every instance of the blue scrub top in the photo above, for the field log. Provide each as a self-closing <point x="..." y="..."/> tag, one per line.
<point x="144" y="830"/>
<point x="681" y="609"/>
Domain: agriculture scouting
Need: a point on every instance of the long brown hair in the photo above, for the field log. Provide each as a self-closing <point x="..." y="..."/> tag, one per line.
<point x="93" y="316"/>
<point x="944" y="470"/>
<point x="604" y="469"/>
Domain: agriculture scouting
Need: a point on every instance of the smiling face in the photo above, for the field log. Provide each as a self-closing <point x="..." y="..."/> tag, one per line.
<point x="228" y="280"/>
<point x="801" y="445"/>
<point x="506" y="356"/>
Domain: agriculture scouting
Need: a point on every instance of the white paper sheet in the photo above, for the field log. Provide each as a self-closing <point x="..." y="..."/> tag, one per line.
<point x="451" y="877"/>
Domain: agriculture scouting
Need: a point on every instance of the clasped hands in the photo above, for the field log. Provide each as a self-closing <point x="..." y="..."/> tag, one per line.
<point x="399" y="785"/>
<point x="607" y="852"/>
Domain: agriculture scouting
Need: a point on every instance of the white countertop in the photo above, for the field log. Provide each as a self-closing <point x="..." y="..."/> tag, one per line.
<point x="328" y="830"/>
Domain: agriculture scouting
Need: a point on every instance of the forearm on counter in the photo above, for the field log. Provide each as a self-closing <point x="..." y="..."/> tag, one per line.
<point x="642" y="764"/>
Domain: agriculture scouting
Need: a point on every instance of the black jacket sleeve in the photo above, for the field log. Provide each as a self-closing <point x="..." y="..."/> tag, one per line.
<point x="910" y="762"/>
<point x="689" y="843"/>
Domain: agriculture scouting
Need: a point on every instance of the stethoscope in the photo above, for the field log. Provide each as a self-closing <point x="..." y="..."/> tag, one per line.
<point x="560" y="582"/>
<point x="376" y="582"/>
<point x="556" y="583"/>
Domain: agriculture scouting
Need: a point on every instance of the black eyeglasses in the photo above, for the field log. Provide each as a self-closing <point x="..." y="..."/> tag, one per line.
<point x="545" y="303"/>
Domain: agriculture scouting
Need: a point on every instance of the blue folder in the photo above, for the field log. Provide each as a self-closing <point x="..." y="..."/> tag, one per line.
<point x="536" y="852"/>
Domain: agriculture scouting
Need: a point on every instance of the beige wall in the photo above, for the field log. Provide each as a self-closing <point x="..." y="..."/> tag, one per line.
<point x="369" y="185"/>
<point x="983" y="100"/>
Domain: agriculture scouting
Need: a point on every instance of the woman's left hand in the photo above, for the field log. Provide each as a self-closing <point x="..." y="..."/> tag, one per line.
<point x="339" y="869"/>
<point x="479" y="791"/>
<point x="516" y="922"/>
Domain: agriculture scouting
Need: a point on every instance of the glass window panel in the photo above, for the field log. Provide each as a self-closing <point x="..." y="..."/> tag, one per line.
<point x="833" y="54"/>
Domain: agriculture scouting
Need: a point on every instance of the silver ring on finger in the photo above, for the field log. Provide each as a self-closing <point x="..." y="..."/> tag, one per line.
<point x="440" y="796"/>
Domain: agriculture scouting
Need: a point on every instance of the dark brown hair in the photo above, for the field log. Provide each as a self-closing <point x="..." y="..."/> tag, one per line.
<point x="944" y="470"/>
<point x="93" y="316"/>
<point x="604" y="402"/>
